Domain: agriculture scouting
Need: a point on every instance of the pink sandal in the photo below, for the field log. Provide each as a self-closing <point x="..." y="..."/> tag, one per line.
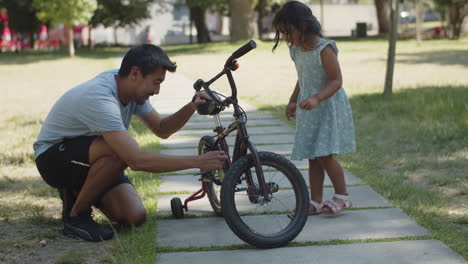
<point x="315" y="208"/>
<point x="335" y="207"/>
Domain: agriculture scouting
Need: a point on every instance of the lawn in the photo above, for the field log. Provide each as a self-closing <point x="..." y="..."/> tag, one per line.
<point x="412" y="146"/>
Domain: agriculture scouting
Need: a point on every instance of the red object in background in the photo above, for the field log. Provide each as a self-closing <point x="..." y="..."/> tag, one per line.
<point x="43" y="37"/>
<point x="6" y="34"/>
<point x="4" y="17"/>
<point x="438" y="31"/>
<point x="25" y="43"/>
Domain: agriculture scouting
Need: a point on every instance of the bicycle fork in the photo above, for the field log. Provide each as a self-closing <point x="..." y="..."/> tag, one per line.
<point x="263" y="193"/>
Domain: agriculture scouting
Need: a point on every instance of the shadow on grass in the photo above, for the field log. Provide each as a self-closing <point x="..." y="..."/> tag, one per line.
<point x="405" y="141"/>
<point x="27" y="57"/>
<point x="448" y="57"/>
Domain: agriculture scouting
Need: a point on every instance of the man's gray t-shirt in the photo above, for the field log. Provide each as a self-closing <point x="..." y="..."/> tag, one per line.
<point x="87" y="110"/>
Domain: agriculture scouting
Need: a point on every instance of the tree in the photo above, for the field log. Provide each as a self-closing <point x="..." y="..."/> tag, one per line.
<point x="394" y="5"/>
<point x="69" y="13"/>
<point x="198" y="9"/>
<point x="383" y="15"/>
<point x="456" y="11"/>
<point x="242" y="20"/>
<point x="118" y="13"/>
<point x="264" y="8"/>
<point x="22" y="16"/>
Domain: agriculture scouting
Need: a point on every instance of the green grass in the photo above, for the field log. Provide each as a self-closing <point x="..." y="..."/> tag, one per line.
<point x="412" y="146"/>
<point x="413" y="149"/>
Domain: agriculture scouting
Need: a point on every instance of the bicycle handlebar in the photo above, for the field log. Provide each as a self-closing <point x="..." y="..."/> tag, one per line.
<point x="227" y="67"/>
<point x="242" y="51"/>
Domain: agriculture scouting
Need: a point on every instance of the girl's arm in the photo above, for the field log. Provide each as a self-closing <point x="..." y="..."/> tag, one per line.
<point x="335" y="81"/>
<point x="295" y="94"/>
<point x="292" y="105"/>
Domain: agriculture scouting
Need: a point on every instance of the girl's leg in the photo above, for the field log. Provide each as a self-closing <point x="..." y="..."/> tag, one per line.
<point x="335" y="172"/>
<point x="316" y="177"/>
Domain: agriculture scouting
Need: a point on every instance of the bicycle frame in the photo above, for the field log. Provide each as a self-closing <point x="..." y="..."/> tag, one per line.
<point x="242" y="142"/>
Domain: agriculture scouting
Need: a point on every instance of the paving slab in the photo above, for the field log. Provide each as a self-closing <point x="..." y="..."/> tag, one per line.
<point x="190" y="182"/>
<point x="361" y="196"/>
<point x="227" y="116"/>
<point x="252" y="130"/>
<point x="282" y="149"/>
<point x="396" y="252"/>
<point x="302" y="165"/>
<point x="350" y="224"/>
<point x="192" y="142"/>
<point x="253" y="122"/>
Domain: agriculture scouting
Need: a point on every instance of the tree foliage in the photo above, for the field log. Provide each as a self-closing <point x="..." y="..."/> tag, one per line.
<point x="69" y="12"/>
<point x="120" y="13"/>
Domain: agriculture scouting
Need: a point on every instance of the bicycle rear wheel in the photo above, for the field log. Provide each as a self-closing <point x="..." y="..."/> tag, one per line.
<point x="265" y="223"/>
<point x="212" y="179"/>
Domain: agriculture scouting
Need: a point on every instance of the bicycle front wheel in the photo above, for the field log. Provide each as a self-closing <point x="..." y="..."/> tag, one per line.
<point x="265" y="222"/>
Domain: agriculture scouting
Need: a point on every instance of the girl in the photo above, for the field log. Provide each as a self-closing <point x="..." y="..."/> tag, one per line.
<point x="324" y="124"/>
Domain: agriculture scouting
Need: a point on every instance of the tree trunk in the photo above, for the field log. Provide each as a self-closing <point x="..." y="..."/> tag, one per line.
<point x="261" y="14"/>
<point x="116" y="41"/>
<point x="457" y="14"/>
<point x="198" y="16"/>
<point x="383" y="15"/>
<point x="90" y="37"/>
<point x="322" y="15"/>
<point x="242" y="20"/>
<point x="71" y="46"/>
<point x="419" y="21"/>
<point x="392" y="47"/>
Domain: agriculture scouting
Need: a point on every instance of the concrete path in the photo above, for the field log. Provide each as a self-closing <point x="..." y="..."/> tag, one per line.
<point x="372" y="220"/>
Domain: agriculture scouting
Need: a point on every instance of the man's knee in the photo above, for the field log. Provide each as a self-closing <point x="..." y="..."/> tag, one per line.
<point x="115" y="161"/>
<point x="136" y="217"/>
<point x="100" y="150"/>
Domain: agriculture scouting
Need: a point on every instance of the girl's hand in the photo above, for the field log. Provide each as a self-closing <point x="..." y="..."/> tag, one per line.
<point x="291" y="110"/>
<point x="310" y="103"/>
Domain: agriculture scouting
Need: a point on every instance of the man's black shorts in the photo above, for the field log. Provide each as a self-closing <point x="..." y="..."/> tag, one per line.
<point x="66" y="164"/>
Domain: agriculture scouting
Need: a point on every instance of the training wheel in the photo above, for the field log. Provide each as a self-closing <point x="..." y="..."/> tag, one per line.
<point x="177" y="208"/>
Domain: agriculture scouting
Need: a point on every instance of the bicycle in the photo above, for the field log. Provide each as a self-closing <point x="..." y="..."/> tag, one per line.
<point x="264" y="198"/>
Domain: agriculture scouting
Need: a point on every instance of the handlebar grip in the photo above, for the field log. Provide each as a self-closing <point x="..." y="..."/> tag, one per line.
<point x="213" y="96"/>
<point x="244" y="49"/>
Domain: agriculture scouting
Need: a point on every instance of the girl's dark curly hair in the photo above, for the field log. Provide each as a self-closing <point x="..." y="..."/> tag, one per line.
<point x="298" y="15"/>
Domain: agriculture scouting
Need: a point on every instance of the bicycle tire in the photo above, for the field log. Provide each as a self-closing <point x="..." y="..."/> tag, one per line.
<point x="206" y="144"/>
<point x="251" y="226"/>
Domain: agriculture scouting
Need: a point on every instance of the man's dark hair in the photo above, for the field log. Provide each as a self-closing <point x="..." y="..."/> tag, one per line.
<point x="148" y="58"/>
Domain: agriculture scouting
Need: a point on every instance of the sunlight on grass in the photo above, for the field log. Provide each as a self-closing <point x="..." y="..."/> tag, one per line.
<point x="412" y="147"/>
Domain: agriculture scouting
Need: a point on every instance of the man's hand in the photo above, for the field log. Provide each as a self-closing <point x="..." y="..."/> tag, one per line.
<point x="200" y="98"/>
<point x="310" y="103"/>
<point x="291" y="110"/>
<point x="212" y="160"/>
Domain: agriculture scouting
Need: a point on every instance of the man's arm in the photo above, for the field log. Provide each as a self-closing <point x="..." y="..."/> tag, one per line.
<point x="165" y="127"/>
<point x="139" y="160"/>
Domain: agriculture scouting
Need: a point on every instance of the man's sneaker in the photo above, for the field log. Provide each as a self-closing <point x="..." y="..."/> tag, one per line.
<point x="83" y="226"/>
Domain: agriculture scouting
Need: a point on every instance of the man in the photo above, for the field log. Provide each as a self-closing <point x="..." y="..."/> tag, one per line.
<point x="84" y="147"/>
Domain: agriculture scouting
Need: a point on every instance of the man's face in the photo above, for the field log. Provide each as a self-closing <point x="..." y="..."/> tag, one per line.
<point x="149" y="85"/>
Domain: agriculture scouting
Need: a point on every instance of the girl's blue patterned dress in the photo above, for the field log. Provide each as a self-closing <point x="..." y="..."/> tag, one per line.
<point x="328" y="128"/>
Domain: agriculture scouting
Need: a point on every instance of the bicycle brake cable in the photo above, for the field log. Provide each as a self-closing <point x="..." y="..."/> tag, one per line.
<point x="243" y="115"/>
